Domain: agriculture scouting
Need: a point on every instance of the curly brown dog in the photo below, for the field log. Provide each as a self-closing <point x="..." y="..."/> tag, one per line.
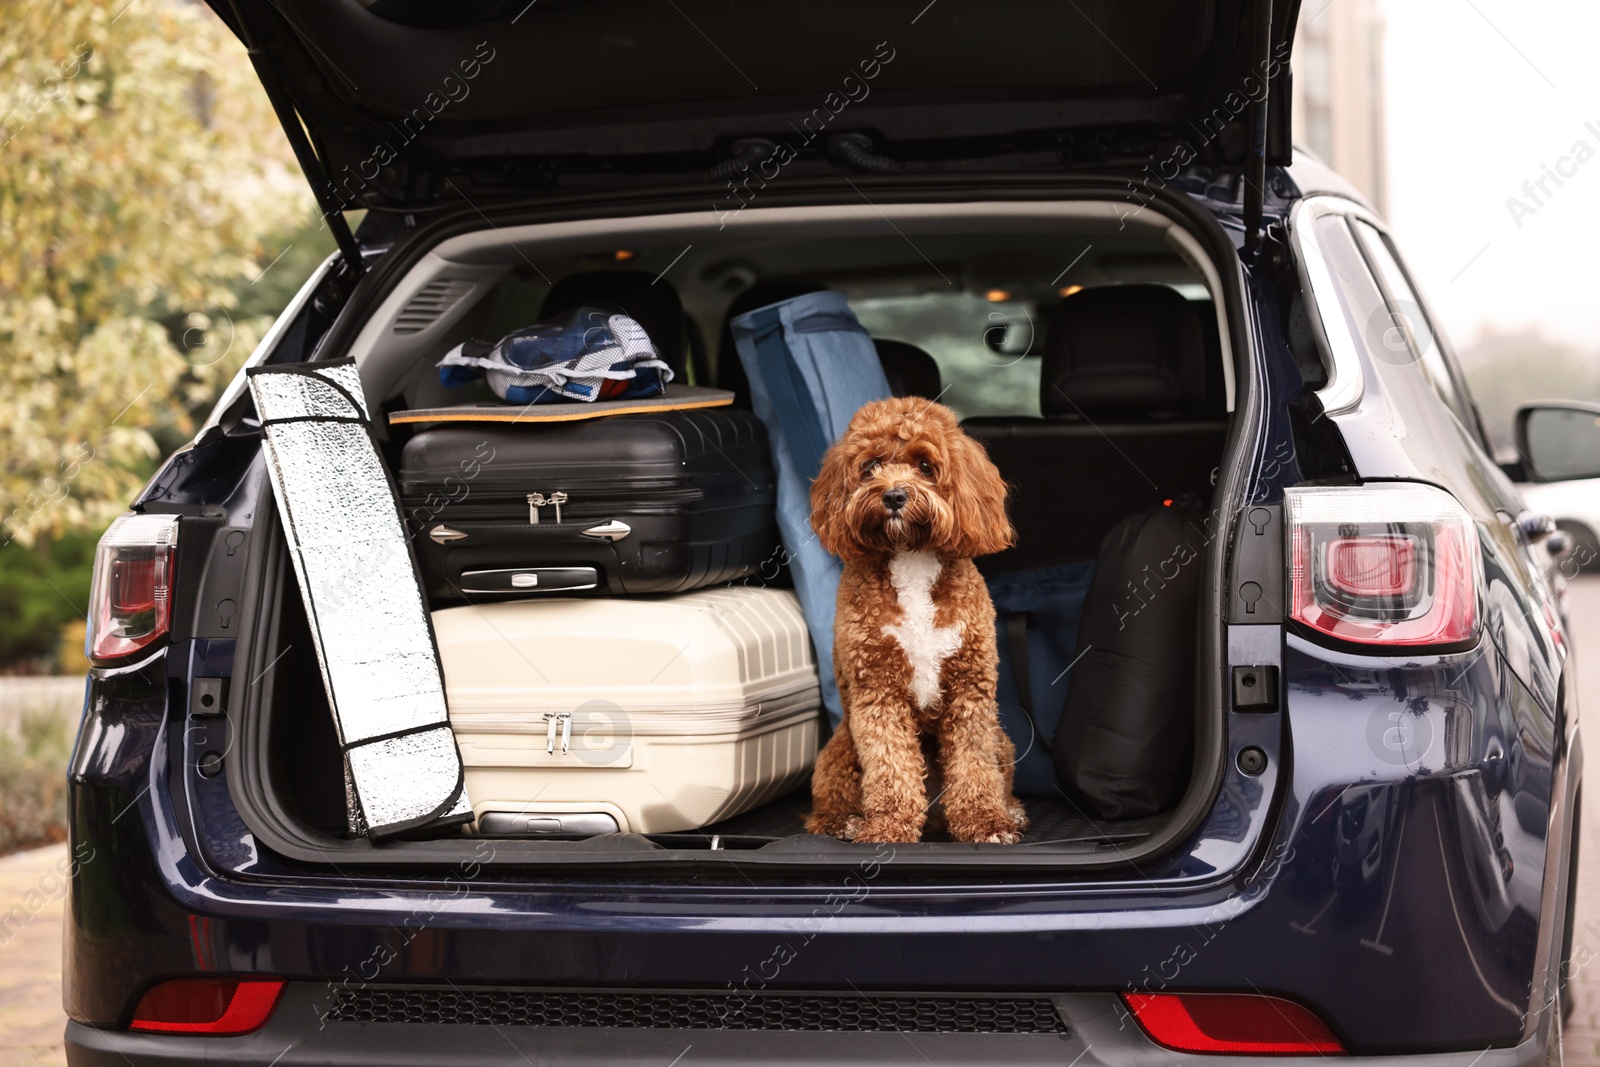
<point x="905" y="499"/>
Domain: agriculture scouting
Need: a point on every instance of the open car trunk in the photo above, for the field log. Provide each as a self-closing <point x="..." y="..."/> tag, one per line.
<point x="974" y="292"/>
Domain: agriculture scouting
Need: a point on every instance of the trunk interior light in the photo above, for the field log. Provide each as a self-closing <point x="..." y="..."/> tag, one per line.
<point x="1231" y="1023"/>
<point x="130" y="602"/>
<point x="1392" y="563"/>
<point x="215" y="1006"/>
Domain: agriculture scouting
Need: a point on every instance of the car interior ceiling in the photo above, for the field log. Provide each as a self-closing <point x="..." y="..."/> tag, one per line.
<point x="1098" y="390"/>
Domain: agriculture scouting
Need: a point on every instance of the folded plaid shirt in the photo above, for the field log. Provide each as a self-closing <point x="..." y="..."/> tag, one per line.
<point x="587" y="354"/>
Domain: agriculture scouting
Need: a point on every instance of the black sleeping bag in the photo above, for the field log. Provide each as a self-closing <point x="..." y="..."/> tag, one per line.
<point x="1126" y="738"/>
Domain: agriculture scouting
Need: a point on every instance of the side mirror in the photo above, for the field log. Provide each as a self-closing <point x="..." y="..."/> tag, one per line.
<point x="1559" y="440"/>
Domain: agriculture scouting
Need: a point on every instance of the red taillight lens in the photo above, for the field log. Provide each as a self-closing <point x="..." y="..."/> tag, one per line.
<point x="207" y="1005"/>
<point x="130" y="604"/>
<point x="1236" y="1023"/>
<point x="133" y="586"/>
<point x="1372" y="566"/>
<point x="1392" y="563"/>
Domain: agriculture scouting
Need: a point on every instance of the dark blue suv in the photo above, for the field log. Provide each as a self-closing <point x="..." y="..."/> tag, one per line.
<point x="1374" y="850"/>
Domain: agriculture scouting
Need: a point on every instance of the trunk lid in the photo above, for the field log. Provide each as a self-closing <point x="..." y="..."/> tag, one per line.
<point x="406" y="104"/>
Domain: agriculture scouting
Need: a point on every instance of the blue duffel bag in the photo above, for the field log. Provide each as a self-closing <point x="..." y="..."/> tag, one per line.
<point x="811" y="367"/>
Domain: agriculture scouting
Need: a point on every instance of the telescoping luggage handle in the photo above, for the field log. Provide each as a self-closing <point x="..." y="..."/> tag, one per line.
<point x="369" y="624"/>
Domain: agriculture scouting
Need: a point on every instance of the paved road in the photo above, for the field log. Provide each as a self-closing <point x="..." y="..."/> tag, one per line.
<point x="31" y="887"/>
<point x="30" y="948"/>
<point x="23" y="696"/>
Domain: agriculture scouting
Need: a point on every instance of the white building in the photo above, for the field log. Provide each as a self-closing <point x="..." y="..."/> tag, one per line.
<point x="1338" y="91"/>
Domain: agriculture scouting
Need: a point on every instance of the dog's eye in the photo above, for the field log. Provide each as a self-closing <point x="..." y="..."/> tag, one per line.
<point x="926" y="468"/>
<point x="871" y="466"/>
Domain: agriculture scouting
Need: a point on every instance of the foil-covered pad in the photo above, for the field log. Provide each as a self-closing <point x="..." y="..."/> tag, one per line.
<point x="363" y="598"/>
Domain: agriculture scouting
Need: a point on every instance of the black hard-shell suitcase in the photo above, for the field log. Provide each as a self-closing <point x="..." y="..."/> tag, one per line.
<point x="640" y="503"/>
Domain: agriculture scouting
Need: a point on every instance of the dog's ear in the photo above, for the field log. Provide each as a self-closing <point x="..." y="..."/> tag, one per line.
<point x="977" y="498"/>
<point x="830" y="495"/>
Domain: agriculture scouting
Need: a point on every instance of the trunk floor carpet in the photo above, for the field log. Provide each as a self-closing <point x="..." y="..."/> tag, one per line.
<point x="1049" y="821"/>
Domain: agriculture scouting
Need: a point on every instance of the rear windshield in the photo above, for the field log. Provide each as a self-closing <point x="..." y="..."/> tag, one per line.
<point x="988" y="347"/>
<point x="978" y="304"/>
<point x="982" y="346"/>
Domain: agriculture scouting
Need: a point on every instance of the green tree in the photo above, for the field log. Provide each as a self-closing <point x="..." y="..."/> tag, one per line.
<point x="144" y="187"/>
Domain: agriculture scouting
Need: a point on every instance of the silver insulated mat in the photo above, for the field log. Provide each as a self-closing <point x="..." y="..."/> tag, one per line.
<point x="374" y="644"/>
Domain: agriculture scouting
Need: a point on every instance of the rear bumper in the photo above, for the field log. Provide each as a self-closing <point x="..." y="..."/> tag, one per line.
<point x="1099" y="1036"/>
<point x="1433" y="875"/>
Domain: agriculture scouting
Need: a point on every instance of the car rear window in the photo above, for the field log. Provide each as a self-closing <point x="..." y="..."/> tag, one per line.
<point x="989" y="348"/>
<point x="986" y="349"/>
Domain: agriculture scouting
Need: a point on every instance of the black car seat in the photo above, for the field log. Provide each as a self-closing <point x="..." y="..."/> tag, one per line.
<point x="910" y="370"/>
<point x="1127" y="422"/>
<point x="652" y="303"/>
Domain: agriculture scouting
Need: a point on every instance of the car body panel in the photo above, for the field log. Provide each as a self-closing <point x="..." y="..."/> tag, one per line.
<point x="1099" y="1033"/>
<point x="1398" y="428"/>
<point x="1409" y="834"/>
<point x="1465" y="776"/>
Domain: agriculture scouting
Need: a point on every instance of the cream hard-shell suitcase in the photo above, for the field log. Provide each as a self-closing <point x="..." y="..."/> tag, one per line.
<point x="638" y="714"/>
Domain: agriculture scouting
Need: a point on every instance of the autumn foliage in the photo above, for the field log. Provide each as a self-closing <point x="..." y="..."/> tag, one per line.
<point x="144" y="187"/>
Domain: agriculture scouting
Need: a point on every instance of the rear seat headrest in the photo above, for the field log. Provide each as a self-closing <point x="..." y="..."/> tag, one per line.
<point x="910" y="370"/>
<point x="1123" y="348"/>
<point x="652" y="303"/>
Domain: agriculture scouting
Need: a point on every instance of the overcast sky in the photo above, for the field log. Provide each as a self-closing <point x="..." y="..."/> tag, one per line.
<point x="1482" y="96"/>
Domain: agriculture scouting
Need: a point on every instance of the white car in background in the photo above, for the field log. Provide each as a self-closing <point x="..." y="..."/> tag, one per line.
<point x="1558" y="471"/>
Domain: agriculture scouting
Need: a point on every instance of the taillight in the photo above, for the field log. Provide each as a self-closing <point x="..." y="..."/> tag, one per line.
<point x="207" y="1005"/>
<point x="1235" y="1023"/>
<point x="1391" y="563"/>
<point x="130" y="603"/>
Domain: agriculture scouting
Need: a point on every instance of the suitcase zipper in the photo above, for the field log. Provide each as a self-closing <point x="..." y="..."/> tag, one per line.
<point x="539" y="500"/>
<point x="598" y="499"/>
<point x="562" y="719"/>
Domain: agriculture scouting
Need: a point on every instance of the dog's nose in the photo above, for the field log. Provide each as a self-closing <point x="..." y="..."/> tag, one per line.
<point x="895" y="499"/>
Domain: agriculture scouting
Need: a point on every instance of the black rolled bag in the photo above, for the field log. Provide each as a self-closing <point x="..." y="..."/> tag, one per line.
<point x="628" y="504"/>
<point x="1126" y="740"/>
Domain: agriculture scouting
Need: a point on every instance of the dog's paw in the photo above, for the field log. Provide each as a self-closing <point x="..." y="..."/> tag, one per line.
<point x="1019" y="814"/>
<point x="997" y="827"/>
<point x="886" y="831"/>
<point x="833" y="826"/>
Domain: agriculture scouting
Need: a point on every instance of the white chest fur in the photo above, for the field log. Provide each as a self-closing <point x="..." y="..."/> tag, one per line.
<point x="912" y="574"/>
